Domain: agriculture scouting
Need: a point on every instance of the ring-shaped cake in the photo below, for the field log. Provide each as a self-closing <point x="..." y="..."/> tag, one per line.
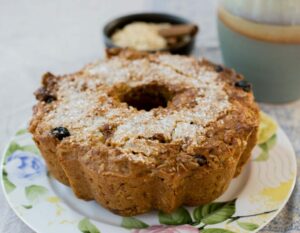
<point x="141" y="131"/>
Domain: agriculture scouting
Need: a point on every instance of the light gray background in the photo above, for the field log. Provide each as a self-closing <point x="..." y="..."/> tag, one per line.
<point x="63" y="35"/>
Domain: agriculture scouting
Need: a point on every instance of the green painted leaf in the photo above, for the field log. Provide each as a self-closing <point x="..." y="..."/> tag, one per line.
<point x="11" y="149"/>
<point x="86" y="226"/>
<point x="271" y="142"/>
<point x="31" y="148"/>
<point x="133" y="223"/>
<point x="214" y="213"/>
<point x="267" y="128"/>
<point x="27" y="206"/>
<point x="266" y="147"/>
<point x="197" y="214"/>
<point x="4" y="172"/>
<point x="248" y="226"/>
<point x="33" y="192"/>
<point x="178" y="217"/>
<point x="8" y="185"/>
<point x="216" y="230"/>
<point x="263" y="156"/>
<point x="21" y="132"/>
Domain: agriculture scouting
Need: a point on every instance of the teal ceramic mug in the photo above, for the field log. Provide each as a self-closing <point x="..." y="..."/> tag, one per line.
<point x="267" y="55"/>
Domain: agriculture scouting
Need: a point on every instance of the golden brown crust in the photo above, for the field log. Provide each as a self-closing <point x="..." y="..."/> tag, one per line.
<point x="132" y="160"/>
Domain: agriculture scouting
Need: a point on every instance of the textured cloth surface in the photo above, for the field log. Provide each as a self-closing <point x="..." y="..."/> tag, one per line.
<point x="62" y="36"/>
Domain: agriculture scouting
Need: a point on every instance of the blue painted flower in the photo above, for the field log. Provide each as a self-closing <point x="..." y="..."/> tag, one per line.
<point x="25" y="165"/>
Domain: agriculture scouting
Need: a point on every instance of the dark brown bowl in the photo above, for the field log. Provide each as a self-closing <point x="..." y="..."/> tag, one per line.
<point x="118" y="23"/>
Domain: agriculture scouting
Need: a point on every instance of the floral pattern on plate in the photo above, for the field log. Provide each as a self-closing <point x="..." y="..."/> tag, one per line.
<point x="251" y="201"/>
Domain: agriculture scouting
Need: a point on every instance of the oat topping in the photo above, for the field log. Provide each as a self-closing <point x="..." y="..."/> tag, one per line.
<point x="138" y="129"/>
<point x="90" y="109"/>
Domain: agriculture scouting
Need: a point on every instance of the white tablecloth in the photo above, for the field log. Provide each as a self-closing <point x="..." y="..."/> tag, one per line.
<point x="63" y="35"/>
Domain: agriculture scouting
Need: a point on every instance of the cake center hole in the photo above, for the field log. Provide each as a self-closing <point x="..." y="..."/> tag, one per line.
<point x="147" y="97"/>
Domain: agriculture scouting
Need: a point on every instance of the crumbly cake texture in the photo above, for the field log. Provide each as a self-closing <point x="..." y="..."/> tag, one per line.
<point x="146" y="131"/>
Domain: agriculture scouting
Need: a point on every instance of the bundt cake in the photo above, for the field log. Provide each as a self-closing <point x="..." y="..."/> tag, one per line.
<point x="141" y="131"/>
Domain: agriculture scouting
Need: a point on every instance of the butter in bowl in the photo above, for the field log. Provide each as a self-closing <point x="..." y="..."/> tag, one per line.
<point x="151" y="32"/>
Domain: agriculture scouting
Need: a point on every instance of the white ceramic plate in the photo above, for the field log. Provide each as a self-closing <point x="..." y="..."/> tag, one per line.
<point x="252" y="200"/>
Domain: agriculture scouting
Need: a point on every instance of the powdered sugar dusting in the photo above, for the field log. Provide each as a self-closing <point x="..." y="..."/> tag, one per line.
<point x="185" y="65"/>
<point x="84" y="106"/>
